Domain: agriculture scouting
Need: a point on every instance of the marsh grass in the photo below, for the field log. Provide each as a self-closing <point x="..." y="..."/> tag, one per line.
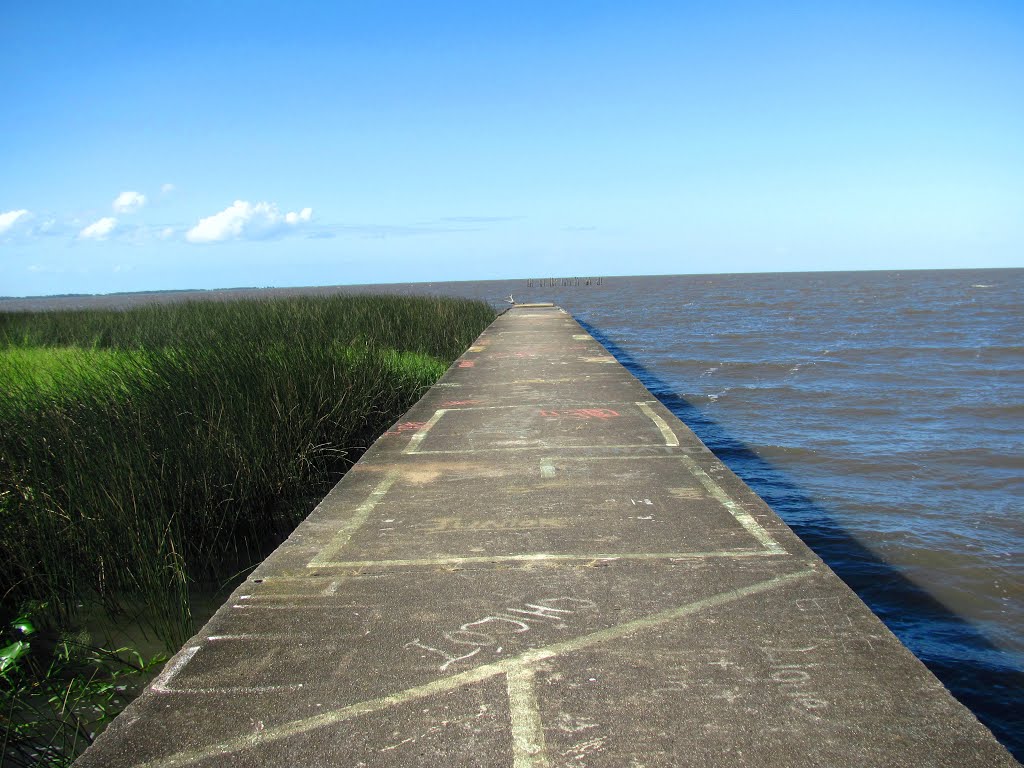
<point x="151" y="455"/>
<point x="152" y="452"/>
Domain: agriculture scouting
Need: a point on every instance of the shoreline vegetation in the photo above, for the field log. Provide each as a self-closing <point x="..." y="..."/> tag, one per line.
<point x="152" y="456"/>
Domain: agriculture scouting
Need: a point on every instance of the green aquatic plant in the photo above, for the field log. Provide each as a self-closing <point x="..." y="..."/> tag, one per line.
<point x="57" y="694"/>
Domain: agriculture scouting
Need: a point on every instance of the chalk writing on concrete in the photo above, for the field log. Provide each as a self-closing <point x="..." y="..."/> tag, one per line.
<point x="830" y="615"/>
<point x="793" y="673"/>
<point x="503" y="666"/>
<point x="449" y="659"/>
<point x="489" y="631"/>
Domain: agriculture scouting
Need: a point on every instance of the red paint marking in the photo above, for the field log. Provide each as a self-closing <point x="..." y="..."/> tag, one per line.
<point x="466" y="364"/>
<point x="408" y="426"/>
<point x="597" y="413"/>
<point x="449" y="403"/>
<point x="583" y="414"/>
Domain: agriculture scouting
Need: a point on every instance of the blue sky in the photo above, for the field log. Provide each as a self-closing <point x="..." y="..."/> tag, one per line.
<point x="217" y="144"/>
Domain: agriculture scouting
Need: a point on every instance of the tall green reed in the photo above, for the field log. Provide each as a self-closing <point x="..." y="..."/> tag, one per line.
<point x="148" y="452"/>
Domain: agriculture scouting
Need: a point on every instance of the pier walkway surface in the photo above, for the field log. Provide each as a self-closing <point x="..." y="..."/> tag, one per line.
<point x="540" y="566"/>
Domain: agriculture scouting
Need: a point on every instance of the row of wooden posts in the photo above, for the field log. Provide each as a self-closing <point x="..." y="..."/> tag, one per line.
<point x="554" y="282"/>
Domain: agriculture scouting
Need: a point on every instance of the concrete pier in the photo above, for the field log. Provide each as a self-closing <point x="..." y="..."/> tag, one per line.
<point x="540" y="566"/>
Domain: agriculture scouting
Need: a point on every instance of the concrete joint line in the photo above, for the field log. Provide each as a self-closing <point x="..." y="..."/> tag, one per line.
<point x="544" y="447"/>
<point x="417" y="438"/>
<point x="163" y="681"/>
<point x="528" y="749"/>
<point x="543" y="557"/>
<point x="670" y="437"/>
<point x="514" y="665"/>
<point x="743" y="517"/>
<point x="354" y="523"/>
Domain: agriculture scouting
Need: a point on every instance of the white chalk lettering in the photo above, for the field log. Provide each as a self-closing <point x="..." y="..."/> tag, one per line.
<point x="449" y="659"/>
<point x="541" y="611"/>
<point x="584" y="603"/>
<point x="466" y="637"/>
<point x="513" y="621"/>
<point x="522" y="625"/>
<point x="792" y="673"/>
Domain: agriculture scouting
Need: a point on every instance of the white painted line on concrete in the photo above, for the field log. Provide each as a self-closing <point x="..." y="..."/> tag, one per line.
<point x="236" y="689"/>
<point x="352" y="524"/>
<point x="511" y="382"/>
<point x="661" y="424"/>
<point x="469" y="677"/>
<point x="536" y="407"/>
<point x="488" y="407"/>
<point x="545" y="447"/>
<point x="743" y="517"/>
<point x="674" y="455"/>
<point x="542" y="557"/>
<point x="417" y="438"/>
<point x="524" y="713"/>
<point x="163" y="681"/>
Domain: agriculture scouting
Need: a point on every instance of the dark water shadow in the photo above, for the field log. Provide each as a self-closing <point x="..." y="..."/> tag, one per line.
<point x="994" y="692"/>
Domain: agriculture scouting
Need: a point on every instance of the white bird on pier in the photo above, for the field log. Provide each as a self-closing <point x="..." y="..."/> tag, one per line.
<point x="510" y="300"/>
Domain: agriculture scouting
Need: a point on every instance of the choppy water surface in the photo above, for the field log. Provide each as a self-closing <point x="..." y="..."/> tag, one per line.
<point x="881" y="414"/>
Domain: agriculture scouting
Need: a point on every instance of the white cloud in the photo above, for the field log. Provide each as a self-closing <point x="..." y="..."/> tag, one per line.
<point x="129" y="202"/>
<point x="166" y="233"/>
<point x="99" y="230"/>
<point x="9" y="218"/>
<point x="246" y="221"/>
<point x="166" y="189"/>
<point x="294" y="218"/>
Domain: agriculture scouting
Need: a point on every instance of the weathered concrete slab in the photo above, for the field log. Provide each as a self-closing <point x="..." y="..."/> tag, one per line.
<point x="541" y="566"/>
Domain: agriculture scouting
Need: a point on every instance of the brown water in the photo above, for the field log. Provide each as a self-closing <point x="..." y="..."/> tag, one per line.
<point x="881" y="414"/>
